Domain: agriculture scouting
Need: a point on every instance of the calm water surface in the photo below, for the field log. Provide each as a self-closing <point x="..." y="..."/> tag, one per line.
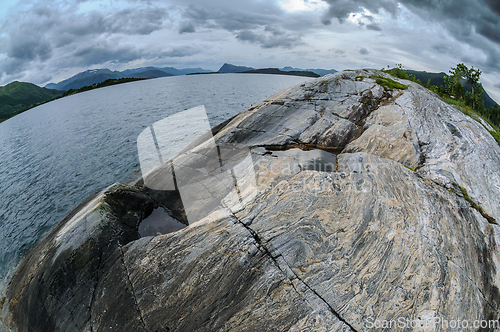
<point x="55" y="155"/>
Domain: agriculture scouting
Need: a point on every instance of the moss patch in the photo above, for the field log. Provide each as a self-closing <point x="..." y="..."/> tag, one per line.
<point x="468" y="199"/>
<point x="388" y="84"/>
<point x="495" y="135"/>
<point x="477" y="207"/>
<point x="2" y="302"/>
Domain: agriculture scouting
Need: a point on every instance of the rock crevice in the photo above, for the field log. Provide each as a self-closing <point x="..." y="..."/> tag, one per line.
<point x="281" y="264"/>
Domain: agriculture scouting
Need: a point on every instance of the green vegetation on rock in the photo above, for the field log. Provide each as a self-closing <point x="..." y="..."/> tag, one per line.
<point x="454" y="92"/>
<point x="495" y="135"/>
<point x="388" y="84"/>
<point x="476" y="206"/>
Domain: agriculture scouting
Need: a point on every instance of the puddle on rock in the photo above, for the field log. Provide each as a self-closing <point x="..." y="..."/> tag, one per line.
<point x="314" y="160"/>
<point x="159" y="222"/>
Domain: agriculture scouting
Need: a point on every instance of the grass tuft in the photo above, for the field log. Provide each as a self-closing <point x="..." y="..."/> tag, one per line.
<point x="388" y="84"/>
<point x="410" y="168"/>
<point x="495" y="135"/>
<point x="468" y="199"/>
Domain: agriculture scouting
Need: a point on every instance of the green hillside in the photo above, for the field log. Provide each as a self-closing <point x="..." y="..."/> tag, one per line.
<point x="17" y="96"/>
<point x="437" y="79"/>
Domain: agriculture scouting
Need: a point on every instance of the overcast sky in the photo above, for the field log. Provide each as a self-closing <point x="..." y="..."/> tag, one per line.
<point x="44" y="41"/>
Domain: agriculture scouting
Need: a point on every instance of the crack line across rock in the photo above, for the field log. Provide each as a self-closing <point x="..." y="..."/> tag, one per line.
<point x="132" y="289"/>
<point x="475" y="284"/>
<point x="99" y="260"/>
<point x="277" y="264"/>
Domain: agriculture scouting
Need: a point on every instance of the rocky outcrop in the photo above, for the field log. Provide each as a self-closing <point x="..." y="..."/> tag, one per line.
<point x="402" y="228"/>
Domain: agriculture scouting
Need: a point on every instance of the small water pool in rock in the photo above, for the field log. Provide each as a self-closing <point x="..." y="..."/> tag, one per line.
<point x="159" y="222"/>
<point x="315" y="159"/>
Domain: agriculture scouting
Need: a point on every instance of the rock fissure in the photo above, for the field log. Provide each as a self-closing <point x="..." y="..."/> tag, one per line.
<point x="266" y="251"/>
<point x="143" y="322"/>
<point x="476" y="206"/>
<point x="474" y="284"/>
<point x="302" y="146"/>
<point x="72" y="318"/>
<point x="333" y="311"/>
<point x="96" y="282"/>
<point x="420" y="152"/>
<point x="463" y="195"/>
<point x="342" y="117"/>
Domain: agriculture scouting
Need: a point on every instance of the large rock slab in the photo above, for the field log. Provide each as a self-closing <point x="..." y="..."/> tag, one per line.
<point x="402" y="225"/>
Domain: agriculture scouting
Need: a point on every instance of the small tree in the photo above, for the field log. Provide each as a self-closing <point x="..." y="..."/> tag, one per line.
<point x="470" y="75"/>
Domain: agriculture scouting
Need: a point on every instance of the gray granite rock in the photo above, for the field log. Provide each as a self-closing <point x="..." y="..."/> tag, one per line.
<point x="404" y="226"/>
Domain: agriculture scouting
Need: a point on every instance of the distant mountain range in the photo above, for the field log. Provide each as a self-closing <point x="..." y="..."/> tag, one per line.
<point x="320" y="72"/>
<point x="229" y="68"/>
<point x="94" y="76"/>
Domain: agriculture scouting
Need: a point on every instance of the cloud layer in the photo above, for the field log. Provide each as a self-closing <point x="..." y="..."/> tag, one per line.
<point x="53" y="39"/>
<point x="473" y="22"/>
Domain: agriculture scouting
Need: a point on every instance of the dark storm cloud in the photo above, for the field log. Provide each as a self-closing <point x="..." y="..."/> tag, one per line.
<point x="226" y="18"/>
<point x="490" y="31"/>
<point x="103" y="52"/>
<point x="494" y="5"/>
<point x="180" y="52"/>
<point x="441" y="48"/>
<point x="255" y="22"/>
<point x="465" y="20"/>
<point x="249" y="36"/>
<point x="40" y="32"/>
<point x="363" y="51"/>
<point x="374" y="27"/>
<point x="270" y="38"/>
<point x="342" y="9"/>
<point x="24" y="39"/>
<point x="13" y="66"/>
<point x="127" y="21"/>
<point x="29" y="48"/>
<point x="187" y="27"/>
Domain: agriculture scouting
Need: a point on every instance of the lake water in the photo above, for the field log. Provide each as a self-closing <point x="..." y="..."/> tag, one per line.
<point x="55" y="155"/>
